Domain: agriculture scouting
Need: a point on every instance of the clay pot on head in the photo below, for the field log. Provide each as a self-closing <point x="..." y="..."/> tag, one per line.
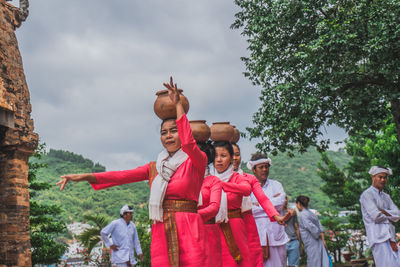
<point x="201" y="131"/>
<point x="236" y="135"/>
<point x="163" y="106"/>
<point x="221" y="131"/>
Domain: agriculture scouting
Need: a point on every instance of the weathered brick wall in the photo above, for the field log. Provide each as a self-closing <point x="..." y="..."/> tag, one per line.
<point x="17" y="143"/>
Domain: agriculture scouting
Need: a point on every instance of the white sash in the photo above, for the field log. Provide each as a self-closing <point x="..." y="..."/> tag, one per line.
<point x="166" y="167"/>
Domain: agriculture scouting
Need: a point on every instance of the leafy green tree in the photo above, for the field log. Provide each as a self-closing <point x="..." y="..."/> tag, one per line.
<point x="143" y="226"/>
<point x="91" y="236"/>
<point x="44" y="224"/>
<point x="344" y="186"/>
<point x="336" y="233"/>
<point x="321" y="63"/>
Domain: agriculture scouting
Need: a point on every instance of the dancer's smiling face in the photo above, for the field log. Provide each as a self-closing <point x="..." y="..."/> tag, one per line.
<point x="170" y="137"/>
<point x="222" y="159"/>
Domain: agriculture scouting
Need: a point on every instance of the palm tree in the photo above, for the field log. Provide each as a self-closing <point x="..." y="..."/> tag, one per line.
<point x="91" y="237"/>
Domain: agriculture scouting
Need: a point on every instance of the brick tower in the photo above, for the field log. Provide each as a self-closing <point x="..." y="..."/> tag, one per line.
<point x="17" y="142"/>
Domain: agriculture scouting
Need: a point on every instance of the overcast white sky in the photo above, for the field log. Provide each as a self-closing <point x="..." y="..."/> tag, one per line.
<point x="93" y="68"/>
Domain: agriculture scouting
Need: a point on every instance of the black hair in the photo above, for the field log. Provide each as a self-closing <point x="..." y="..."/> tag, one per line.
<point x="224" y="144"/>
<point x="209" y="149"/>
<point x="303" y="200"/>
<point x="167" y="119"/>
<point x="235" y="144"/>
<point x="257" y="156"/>
<point x="382" y="167"/>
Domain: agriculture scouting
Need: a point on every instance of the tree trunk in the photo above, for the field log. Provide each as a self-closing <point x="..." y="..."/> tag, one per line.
<point x="395" y="107"/>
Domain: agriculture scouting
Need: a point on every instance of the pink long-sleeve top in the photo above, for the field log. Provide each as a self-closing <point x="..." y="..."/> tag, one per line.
<point x="186" y="181"/>
<point x="236" y="188"/>
<point x="262" y="198"/>
<point x="211" y="196"/>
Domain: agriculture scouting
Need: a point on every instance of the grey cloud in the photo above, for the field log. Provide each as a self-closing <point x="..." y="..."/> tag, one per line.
<point x="93" y="68"/>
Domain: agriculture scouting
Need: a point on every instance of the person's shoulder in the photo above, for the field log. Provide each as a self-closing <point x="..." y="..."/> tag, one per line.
<point x="274" y="182"/>
<point x="250" y="177"/>
<point x="367" y="192"/>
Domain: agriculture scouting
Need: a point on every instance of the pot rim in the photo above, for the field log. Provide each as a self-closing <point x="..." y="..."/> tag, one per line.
<point x="202" y="121"/>
<point x="222" y="122"/>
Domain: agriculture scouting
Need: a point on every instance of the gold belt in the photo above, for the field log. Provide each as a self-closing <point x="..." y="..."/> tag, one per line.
<point x="228" y="235"/>
<point x="170" y="206"/>
<point x="210" y="221"/>
<point x="237" y="213"/>
<point x="247" y="212"/>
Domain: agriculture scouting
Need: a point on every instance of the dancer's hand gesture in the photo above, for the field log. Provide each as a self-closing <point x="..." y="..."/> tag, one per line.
<point x="173" y="91"/>
<point x="89" y="177"/>
<point x="174" y="95"/>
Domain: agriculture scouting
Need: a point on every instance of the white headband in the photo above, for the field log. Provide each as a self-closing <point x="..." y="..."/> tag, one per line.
<point x="250" y="164"/>
<point x="376" y="169"/>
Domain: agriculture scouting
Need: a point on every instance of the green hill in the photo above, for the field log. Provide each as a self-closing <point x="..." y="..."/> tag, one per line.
<point x="79" y="198"/>
<point x="298" y="176"/>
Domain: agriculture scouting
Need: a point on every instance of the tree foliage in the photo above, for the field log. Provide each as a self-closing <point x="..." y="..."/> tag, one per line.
<point x="79" y="199"/>
<point x="91" y="236"/>
<point x="345" y="185"/>
<point x="44" y="225"/>
<point x="321" y="63"/>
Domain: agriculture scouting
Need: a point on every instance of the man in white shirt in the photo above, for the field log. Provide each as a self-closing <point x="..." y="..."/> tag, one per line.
<point x="124" y="239"/>
<point x="272" y="235"/>
<point x="378" y="210"/>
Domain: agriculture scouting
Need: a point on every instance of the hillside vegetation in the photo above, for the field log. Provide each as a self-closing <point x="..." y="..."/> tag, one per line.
<point x="298" y="176"/>
<point x="78" y="199"/>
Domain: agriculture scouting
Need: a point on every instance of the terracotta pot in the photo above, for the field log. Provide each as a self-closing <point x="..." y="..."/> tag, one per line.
<point x="201" y="131"/>
<point x="221" y="131"/>
<point x="163" y="106"/>
<point x="236" y="135"/>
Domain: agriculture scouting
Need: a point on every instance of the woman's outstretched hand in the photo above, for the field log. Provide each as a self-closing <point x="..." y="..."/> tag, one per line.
<point x="89" y="177"/>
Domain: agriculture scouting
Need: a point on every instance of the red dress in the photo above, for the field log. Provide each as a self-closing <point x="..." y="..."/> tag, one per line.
<point x="184" y="184"/>
<point x="237" y="187"/>
<point x="211" y="196"/>
<point x="251" y="227"/>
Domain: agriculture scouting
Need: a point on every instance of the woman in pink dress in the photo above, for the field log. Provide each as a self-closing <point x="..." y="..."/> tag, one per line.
<point x="211" y="198"/>
<point x="256" y="255"/>
<point x="235" y="251"/>
<point x="178" y="236"/>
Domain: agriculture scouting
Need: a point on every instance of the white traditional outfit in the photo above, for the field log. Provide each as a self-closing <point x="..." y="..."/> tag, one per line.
<point x="380" y="230"/>
<point x="310" y="231"/>
<point x="125" y="237"/>
<point x="272" y="235"/>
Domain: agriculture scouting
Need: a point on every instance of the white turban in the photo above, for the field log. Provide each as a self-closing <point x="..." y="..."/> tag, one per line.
<point x="250" y="164"/>
<point x="377" y="169"/>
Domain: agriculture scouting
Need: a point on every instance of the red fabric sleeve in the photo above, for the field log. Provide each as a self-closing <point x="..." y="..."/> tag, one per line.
<point x="113" y="178"/>
<point x="264" y="201"/>
<point x="241" y="186"/>
<point x="215" y="200"/>
<point x="189" y="145"/>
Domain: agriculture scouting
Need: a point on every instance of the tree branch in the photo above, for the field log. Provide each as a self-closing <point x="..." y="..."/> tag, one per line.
<point x="368" y="80"/>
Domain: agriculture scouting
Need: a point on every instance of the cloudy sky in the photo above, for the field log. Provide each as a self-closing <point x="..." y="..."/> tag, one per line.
<point x="93" y="68"/>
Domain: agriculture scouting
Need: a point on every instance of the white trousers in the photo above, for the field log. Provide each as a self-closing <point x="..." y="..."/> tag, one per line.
<point x="277" y="257"/>
<point x="384" y="256"/>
